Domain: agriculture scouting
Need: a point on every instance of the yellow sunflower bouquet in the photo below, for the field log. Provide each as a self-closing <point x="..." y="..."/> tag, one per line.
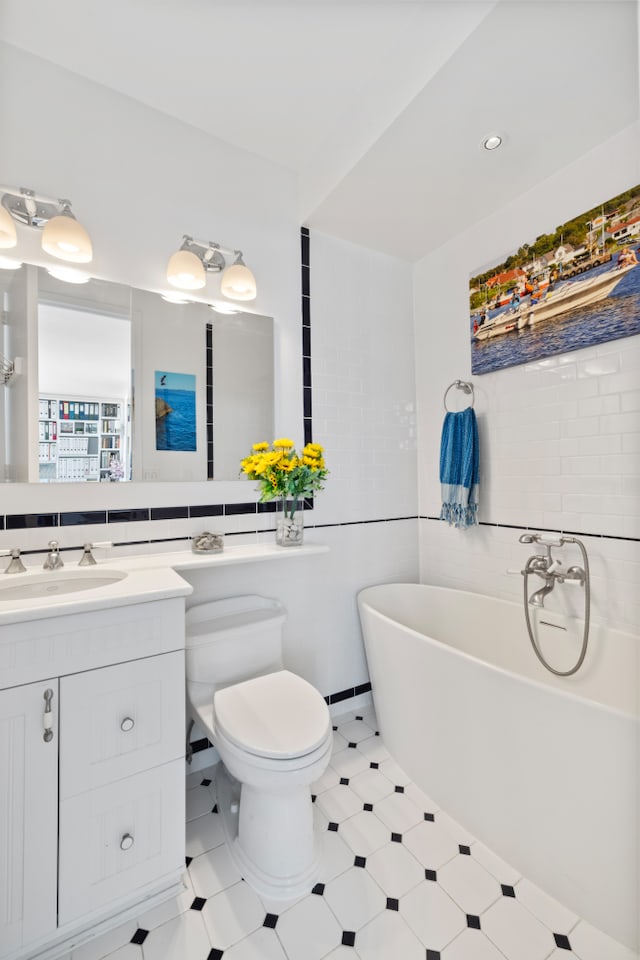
<point x="283" y="473"/>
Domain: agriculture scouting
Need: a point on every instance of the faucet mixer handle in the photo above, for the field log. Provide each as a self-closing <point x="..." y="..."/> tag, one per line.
<point x="15" y="565"/>
<point x="87" y="559"/>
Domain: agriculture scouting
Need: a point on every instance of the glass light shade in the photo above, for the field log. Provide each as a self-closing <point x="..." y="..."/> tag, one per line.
<point x="63" y="237"/>
<point x="185" y="271"/>
<point x="238" y="283"/>
<point x="8" y="235"/>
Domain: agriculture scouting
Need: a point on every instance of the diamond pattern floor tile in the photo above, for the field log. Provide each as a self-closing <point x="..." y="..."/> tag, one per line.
<point x="355" y="898"/>
<point x="432" y="915"/>
<point x="309" y="930"/>
<point x="473" y="945"/>
<point x="469" y="884"/>
<point x="261" y="945"/>
<point x="387" y="937"/>
<point x="232" y="914"/>
<point x="399" y="878"/>
<point x="431" y="844"/>
<point x="395" y="869"/>
<point x="364" y="833"/>
<point x="592" y="944"/>
<point x="185" y="936"/>
<point x="517" y="932"/>
<point x="545" y="908"/>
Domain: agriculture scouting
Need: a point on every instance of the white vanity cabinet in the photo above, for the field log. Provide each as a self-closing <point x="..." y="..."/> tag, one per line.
<point x="92" y="817"/>
<point x="28" y="816"/>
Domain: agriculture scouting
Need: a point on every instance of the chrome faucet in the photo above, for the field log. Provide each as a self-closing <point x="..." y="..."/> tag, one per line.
<point x="54" y="561"/>
<point x="549" y="569"/>
<point x="15" y="565"/>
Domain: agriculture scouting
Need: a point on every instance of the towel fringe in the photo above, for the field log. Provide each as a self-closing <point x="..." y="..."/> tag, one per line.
<point x="458" y="515"/>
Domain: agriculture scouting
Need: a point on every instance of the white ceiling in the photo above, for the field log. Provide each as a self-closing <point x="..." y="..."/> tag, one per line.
<point x="378" y="106"/>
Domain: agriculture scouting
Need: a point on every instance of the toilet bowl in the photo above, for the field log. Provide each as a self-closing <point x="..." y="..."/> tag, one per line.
<point x="273" y="733"/>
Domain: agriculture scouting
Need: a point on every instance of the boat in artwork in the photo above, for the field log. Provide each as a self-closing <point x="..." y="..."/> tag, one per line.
<point x="553" y="303"/>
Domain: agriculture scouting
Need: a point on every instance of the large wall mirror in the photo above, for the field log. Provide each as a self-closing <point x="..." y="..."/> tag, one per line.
<point x="115" y="383"/>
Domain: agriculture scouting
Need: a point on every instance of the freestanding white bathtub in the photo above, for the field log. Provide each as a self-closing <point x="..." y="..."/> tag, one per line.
<point x="543" y="770"/>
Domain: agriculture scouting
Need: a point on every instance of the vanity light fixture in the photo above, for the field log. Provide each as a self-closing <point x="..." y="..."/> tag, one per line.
<point x="189" y="266"/>
<point x="62" y="236"/>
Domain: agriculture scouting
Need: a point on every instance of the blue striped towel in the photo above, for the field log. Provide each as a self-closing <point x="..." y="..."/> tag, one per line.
<point x="459" y="468"/>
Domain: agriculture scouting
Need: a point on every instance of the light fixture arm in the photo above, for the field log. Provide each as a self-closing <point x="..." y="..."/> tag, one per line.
<point x="211" y="254"/>
<point x="195" y="258"/>
<point x="33" y="209"/>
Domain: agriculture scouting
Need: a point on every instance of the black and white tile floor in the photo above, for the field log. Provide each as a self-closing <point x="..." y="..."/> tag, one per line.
<point x="400" y="880"/>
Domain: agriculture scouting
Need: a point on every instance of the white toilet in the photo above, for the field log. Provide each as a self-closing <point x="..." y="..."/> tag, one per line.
<point x="273" y="732"/>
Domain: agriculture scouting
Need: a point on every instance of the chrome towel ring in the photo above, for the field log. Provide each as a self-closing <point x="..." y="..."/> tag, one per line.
<point x="463" y="385"/>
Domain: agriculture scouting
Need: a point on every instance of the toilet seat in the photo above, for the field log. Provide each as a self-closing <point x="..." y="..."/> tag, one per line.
<point x="277" y="716"/>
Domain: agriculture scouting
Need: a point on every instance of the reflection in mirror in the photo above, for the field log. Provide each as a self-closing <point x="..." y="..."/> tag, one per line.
<point x="90" y="403"/>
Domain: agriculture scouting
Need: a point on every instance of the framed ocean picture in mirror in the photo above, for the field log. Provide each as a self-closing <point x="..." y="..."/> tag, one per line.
<point x="573" y="287"/>
<point x="175" y="395"/>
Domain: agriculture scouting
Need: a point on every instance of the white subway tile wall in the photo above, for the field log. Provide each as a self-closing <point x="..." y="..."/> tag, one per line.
<point x="557" y="453"/>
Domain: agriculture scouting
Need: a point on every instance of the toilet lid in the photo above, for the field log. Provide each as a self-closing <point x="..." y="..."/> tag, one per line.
<point x="278" y="715"/>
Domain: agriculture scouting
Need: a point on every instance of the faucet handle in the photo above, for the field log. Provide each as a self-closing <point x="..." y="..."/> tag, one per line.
<point x="15" y="565"/>
<point x="87" y="559"/>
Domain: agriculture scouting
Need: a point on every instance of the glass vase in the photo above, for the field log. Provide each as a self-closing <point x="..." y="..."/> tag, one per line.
<point x="289" y="523"/>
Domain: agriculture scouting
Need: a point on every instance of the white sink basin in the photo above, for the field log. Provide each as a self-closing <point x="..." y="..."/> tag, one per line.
<point x="54" y="584"/>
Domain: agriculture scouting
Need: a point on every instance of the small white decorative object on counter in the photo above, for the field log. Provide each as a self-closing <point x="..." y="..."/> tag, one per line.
<point x="207" y="543"/>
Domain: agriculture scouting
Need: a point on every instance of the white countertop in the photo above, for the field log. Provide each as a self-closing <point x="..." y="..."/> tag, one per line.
<point x="148" y="577"/>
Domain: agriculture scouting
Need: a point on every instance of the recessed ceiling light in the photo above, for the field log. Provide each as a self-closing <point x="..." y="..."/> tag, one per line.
<point x="492" y="142"/>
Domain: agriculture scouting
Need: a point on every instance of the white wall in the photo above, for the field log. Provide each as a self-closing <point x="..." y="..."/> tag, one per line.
<point x="560" y="437"/>
<point x="138" y="180"/>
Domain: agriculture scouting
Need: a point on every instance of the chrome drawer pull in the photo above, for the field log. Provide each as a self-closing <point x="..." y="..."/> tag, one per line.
<point x="47" y="736"/>
<point x="127" y="842"/>
<point x="127" y="724"/>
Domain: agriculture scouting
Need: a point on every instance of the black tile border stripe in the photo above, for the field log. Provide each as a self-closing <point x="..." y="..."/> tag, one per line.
<point x="536" y="529"/>
<point x="305" y="286"/>
<point x="30" y="521"/>
<point x="209" y="399"/>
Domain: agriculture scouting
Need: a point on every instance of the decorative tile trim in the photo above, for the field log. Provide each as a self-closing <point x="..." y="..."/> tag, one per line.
<point x="209" y="398"/>
<point x="536" y="529"/>
<point x="305" y="285"/>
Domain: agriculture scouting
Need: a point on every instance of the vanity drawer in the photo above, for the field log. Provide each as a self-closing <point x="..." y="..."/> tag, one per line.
<point x="116" y="840"/>
<point x="119" y="720"/>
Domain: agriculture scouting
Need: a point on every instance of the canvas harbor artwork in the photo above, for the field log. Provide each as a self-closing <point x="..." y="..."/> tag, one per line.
<point x="573" y="287"/>
<point x="175" y="395"/>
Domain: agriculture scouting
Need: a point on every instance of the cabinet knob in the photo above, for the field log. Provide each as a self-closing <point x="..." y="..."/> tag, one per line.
<point x="127" y="724"/>
<point x="127" y="842"/>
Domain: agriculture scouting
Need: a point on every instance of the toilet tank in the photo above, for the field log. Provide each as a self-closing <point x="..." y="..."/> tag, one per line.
<point x="234" y="639"/>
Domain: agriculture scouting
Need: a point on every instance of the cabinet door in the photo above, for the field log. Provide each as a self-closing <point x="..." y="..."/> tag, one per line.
<point x="119" y="720"/>
<point x="120" y="839"/>
<point x="28" y="814"/>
